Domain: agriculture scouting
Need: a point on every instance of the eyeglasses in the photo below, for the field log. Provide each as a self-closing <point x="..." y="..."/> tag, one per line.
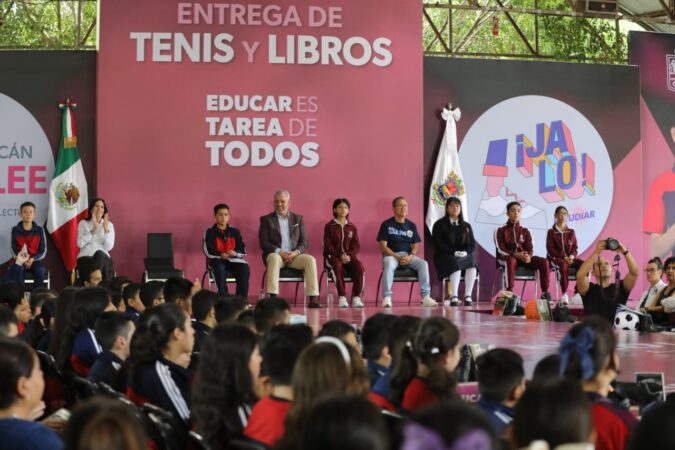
<point x="651" y="270"/>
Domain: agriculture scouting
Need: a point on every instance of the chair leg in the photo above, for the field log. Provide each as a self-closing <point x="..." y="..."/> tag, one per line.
<point x="477" y="289"/>
<point x="377" y="292"/>
<point x="412" y="285"/>
<point x="295" y="299"/>
<point x="262" y="285"/>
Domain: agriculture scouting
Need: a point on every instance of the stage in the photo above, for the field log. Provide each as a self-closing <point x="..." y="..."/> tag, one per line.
<point x="639" y="352"/>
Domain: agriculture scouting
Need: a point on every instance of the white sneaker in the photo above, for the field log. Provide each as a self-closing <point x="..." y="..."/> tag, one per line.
<point x="357" y="303"/>
<point x="343" y="303"/>
<point x="428" y="301"/>
<point x="565" y="299"/>
<point x="576" y="299"/>
<point x="386" y="302"/>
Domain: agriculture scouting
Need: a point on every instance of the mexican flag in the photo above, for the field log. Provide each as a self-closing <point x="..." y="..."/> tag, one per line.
<point x="68" y="191"/>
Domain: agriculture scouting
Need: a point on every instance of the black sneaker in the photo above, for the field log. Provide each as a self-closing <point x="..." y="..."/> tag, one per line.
<point x="314" y="304"/>
<point x="546" y="296"/>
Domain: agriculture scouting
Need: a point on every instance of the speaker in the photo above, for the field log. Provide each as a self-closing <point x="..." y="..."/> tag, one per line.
<point x="597" y="6"/>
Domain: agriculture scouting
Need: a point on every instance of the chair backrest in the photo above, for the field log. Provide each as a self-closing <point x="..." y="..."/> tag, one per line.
<point x="167" y="432"/>
<point x="160" y="251"/>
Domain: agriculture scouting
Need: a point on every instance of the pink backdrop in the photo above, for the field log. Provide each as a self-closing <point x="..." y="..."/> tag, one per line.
<point x="154" y="167"/>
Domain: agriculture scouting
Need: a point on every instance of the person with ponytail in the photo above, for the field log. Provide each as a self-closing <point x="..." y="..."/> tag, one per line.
<point x="588" y="355"/>
<point x="327" y="367"/>
<point x="424" y="374"/>
<point x="224" y="388"/>
<point x="79" y="348"/>
<point x="159" y="360"/>
<point x="41" y="329"/>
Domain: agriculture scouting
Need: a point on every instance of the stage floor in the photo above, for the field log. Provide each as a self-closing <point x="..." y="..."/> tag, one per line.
<point x="639" y="352"/>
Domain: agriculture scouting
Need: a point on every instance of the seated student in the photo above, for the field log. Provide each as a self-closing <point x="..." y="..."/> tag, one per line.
<point x="561" y="247"/>
<point x="223" y="392"/>
<point x="225" y="251"/>
<point x="159" y="360"/>
<point x="344" y="422"/>
<point x="662" y="309"/>
<point x="588" y="355"/>
<point x="654" y="430"/>
<point x="113" y="331"/>
<point x="119" y="283"/>
<point x="12" y="295"/>
<point x="449" y="425"/>
<point x="326" y="367"/>
<point x="341" y="330"/>
<point x="399" y="244"/>
<point x="603" y="298"/>
<point x="654" y="275"/>
<point x="340" y="253"/>
<point x="79" y="348"/>
<point x="280" y="351"/>
<point x="9" y="324"/>
<point x="454" y="251"/>
<point x="515" y="248"/>
<point x="180" y="290"/>
<point x="556" y="412"/>
<point x="30" y="236"/>
<point x="132" y="298"/>
<point x="89" y="273"/>
<point x="548" y="368"/>
<point x="501" y="382"/>
<point x="374" y="339"/>
<point x="228" y="308"/>
<point x="37" y="298"/>
<point x="21" y="389"/>
<point x="152" y="293"/>
<point x="401" y="331"/>
<point x="424" y="375"/>
<point x="101" y="423"/>
<point x="41" y="330"/>
<point x="269" y="312"/>
<point x="247" y="319"/>
<point x="203" y="303"/>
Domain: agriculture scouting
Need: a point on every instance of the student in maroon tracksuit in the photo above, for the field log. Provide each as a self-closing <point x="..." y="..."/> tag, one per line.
<point x="340" y="252"/>
<point x="561" y="247"/>
<point x="514" y="248"/>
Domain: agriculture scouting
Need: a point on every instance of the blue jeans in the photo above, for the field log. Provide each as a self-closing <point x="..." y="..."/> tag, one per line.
<point x="389" y="264"/>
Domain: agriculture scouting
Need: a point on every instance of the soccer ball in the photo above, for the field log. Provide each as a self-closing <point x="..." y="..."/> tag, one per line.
<point x="626" y="320"/>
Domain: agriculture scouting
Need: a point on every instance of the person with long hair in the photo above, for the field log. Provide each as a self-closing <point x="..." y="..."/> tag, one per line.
<point x="96" y="237"/>
<point x="65" y="298"/>
<point x="340" y="253"/>
<point x="663" y="307"/>
<point x="454" y="247"/>
<point x="102" y="423"/>
<point x="160" y="356"/>
<point x="224" y="388"/>
<point x="21" y="389"/>
<point x="424" y="375"/>
<point x="327" y="367"/>
<point x="588" y="355"/>
<point x="562" y="251"/>
<point x="79" y="348"/>
<point x="41" y="328"/>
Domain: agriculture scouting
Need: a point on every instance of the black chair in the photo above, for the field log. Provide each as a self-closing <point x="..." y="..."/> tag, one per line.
<point x="446" y="280"/>
<point x="211" y="280"/>
<point x="197" y="442"/>
<point x="29" y="280"/>
<point x="571" y="275"/>
<point x="84" y="388"/>
<point x="286" y="275"/>
<point x="165" y="430"/>
<point x="329" y="279"/>
<point x="159" y="263"/>
<point x="522" y="274"/>
<point x="402" y="274"/>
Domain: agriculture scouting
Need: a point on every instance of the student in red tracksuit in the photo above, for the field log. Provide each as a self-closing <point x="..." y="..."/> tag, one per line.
<point x="514" y="248"/>
<point x="340" y="252"/>
<point x="561" y="247"/>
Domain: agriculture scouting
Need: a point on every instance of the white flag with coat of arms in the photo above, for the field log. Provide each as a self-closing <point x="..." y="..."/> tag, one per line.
<point x="447" y="181"/>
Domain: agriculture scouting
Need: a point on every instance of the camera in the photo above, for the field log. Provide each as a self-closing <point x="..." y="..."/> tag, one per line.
<point x="611" y="244"/>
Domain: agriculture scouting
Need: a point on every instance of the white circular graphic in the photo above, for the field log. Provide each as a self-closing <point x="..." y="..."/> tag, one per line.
<point x="543" y="153"/>
<point x="26" y="168"/>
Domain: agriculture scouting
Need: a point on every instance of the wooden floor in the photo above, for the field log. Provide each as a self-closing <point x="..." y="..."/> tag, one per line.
<point x="643" y="352"/>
